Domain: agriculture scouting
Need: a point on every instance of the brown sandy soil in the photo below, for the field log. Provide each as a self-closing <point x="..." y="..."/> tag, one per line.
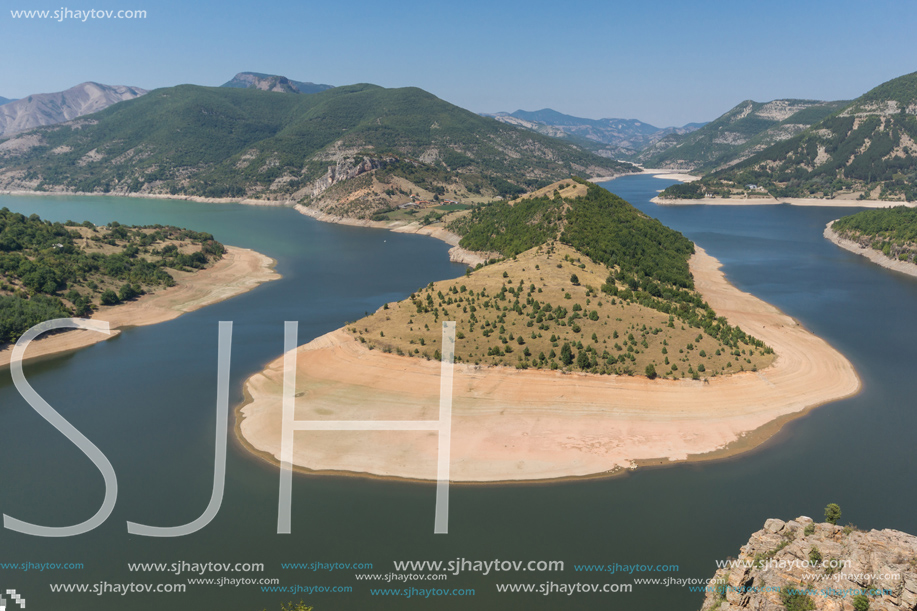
<point x="873" y="255"/>
<point x="239" y="271"/>
<point x="537" y="425"/>
<point x="764" y="200"/>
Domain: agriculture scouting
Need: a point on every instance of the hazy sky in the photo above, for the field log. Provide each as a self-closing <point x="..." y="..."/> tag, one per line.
<point x="666" y="62"/>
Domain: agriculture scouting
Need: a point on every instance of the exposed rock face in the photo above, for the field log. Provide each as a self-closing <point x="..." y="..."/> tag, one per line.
<point x="272" y="82"/>
<point x="50" y="108"/>
<point x="837" y="568"/>
<point x="345" y="169"/>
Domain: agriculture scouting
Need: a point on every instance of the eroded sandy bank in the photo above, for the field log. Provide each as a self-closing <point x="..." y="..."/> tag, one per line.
<point x="538" y="425"/>
<point x="239" y="271"/>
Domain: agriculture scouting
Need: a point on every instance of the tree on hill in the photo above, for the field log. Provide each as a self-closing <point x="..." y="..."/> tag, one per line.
<point x="566" y="354"/>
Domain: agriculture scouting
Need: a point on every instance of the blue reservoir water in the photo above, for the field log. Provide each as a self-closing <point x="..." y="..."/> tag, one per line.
<point x="147" y="400"/>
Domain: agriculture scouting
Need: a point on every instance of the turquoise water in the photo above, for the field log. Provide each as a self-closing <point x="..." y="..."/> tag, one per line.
<point x="147" y="398"/>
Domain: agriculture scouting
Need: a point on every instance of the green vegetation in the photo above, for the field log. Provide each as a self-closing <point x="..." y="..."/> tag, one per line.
<point x="809" y="529"/>
<point x="588" y="284"/>
<point x="57" y="270"/>
<point x="226" y="142"/>
<point x="891" y="231"/>
<point x="832" y="513"/>
<point x="796" y="599"/>
<point x="860" y="602"/>
<point x="687" y="190"/>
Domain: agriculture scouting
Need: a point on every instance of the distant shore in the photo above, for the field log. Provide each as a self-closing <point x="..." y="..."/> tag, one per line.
<point x="873" y="255"/>
<point x="792" y="201"/>
<point x="679" y="175"/>
<point x="457" y="254"/>
<point x="512" y="426"/>
<point x="239" y="271"/>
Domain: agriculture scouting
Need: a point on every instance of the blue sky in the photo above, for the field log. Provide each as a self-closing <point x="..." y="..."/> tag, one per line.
<point x="664" y="62"/>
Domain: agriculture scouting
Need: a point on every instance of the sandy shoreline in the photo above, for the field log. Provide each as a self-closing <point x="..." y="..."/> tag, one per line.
<point x="457" y="254"/>
<point x="792" y="201"/>
<point x="239" y="271"/>
<point x="873" y="255"/>
<point x="511" y="425"/>
<point x="679" y="175"/>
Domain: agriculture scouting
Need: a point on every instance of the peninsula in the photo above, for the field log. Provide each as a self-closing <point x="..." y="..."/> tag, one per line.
<point x="127" y="276"/>
<point x="602" y="340"/>
<point x="886" y="237"/>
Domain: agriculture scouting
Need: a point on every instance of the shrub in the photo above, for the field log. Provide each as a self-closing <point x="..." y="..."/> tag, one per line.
<point x="109" y="297"/>
<point x="832" y="513"/>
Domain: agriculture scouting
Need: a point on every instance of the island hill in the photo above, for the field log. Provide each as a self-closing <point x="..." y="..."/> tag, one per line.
<point x="629" y="308"/>
<point x="887" y="237"/>
<point x="126" y="275"/>
<point x="862" y="154"/>
<point x="596" y="339"/>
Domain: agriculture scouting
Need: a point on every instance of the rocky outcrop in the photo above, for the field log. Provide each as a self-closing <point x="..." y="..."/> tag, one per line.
<point x="51" y="108"/>
<point x="272" y="82"/>
<point x="345" y="168"/>
<point x="818" y="567"/>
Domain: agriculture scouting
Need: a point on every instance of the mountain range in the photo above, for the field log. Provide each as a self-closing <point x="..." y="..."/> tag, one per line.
<point x="50" y="108"/>
<point x="741" y="132"/>
<point x="866" y="149"/>
<point x="4" y="100"/>
<point x="351" y="150"/>
<point x="272" y="82"/>
<point x="615" y="138"/>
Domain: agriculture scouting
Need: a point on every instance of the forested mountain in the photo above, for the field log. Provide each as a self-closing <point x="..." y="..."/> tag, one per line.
<point x="57" y="270"/>
<point x="617" y="138"/>
<point x="588" y="283"/>
<point x="358" y="148"/>
<point x="867" y="149"/>
<point x="50" y="108"/>
<point x="272" y="82"/>
<point x="738" y="134"/>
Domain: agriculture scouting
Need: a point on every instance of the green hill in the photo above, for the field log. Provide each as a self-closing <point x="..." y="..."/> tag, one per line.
<point x="748" y="128"/>
<point x="231" y="142"/>
<point x="891" y="231"/>
<point x="865" y="149"/>
<point x="589" y="283"/>
<point x="57" y="270"/>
